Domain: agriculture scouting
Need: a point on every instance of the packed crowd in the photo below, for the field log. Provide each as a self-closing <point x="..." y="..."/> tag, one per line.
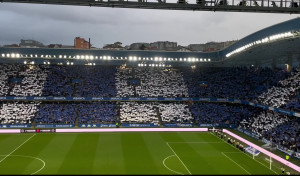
<point x="239" y="82"/>
<point x="280" y="94"/>
<point x="151" y="82"/>
<point x="135" y="112"/>
<point x="80" y="81"/>
<point x="56" y="114"/>
<point x="221" y="113"/>
<point x="18" y="112"/>
<point x="96" y="113"/>
<point x="175" y="113"/>
<point x="277" y="88"/>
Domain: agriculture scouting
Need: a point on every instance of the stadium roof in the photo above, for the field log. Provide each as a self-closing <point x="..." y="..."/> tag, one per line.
<point x="280" y="42"/>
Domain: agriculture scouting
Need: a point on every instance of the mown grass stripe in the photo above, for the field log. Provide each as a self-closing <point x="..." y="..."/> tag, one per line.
<point x="137" y="157"/>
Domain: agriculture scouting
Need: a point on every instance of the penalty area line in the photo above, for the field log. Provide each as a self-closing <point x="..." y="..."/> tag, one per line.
<point x="235" y="162"/>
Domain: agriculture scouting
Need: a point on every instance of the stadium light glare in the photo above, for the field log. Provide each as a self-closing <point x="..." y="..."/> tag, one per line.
<point x="3" y="55"/>
<point x="25" y="62"/>
<point x="7" y="55"/>
<point x="155" y="58"/>
<point x="77" y="57"/>
<point x="140" y="58"/>
<point x="92" y="57"/>
<point x="36" y="55"/>
<point x="60" y="56"/>
<point x="104" y="57"/>
<point x="134" y="58"/>
<point x="87" y="57"/>
<point x="48" y="63"/>
<point x="209" y="60"/>
<point x="13" y="55"/>
<point x="130" y="57"/>
<point x="108" y="57"/>
<point x="82" y="57"/>
<point x="160" y="59"/>
<point x="32" y="62"/>
<point x="65" y="56"/>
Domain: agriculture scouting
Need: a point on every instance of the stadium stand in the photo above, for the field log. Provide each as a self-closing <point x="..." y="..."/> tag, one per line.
<point x="56" y="114"/>
<point x="96" y="113"/>
<point x="175" y="113"/>
<point x="134" y="112"/>
<point x="18" y="113"/>
<point x="150" y="82"/>
<point x="272" y="87"/>
<point x="212" y="113"/>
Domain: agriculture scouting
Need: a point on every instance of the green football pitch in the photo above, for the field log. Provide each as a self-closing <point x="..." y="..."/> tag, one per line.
<point x="124" y="153"/>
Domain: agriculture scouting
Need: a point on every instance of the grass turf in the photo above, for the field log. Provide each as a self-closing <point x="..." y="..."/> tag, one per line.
<point x="124" y="153"/>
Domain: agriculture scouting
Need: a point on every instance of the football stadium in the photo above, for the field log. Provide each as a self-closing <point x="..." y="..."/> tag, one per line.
<point x="95" y="111"/>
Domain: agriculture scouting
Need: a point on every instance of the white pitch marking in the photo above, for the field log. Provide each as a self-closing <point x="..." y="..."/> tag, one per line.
<point x="17" y="148"/>
<point x="179" y="159"/>
<point x="25" y="156"/>
<point x="244" y="153"/>
<point x="169" y="168"/>
<point x="235" y="162"/>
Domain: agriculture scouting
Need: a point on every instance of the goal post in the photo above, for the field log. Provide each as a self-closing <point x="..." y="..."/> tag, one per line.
<point x="265" y="157"/>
